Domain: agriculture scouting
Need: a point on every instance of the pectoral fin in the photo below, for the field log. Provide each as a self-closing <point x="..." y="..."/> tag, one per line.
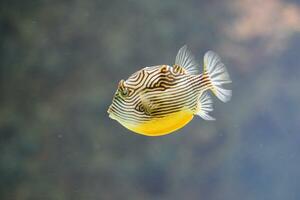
<point x="148" y="105"/>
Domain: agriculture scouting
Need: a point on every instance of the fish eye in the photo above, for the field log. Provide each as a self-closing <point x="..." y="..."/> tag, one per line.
<point x="124" y="92"/>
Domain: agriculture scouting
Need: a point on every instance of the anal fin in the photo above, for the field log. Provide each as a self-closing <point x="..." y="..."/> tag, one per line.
<point x="204" y="106"/>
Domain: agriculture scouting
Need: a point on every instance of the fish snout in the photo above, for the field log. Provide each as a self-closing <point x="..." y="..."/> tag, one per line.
<point x="109" y="110"/>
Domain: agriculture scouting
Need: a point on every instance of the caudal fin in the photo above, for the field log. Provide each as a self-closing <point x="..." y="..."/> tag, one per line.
<point x="218" y="75"/>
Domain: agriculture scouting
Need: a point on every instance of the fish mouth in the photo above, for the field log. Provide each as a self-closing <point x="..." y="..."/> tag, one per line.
<point x="112" y="116"/>
<point x="109" y="109"/>
<point x="110" y="113"/>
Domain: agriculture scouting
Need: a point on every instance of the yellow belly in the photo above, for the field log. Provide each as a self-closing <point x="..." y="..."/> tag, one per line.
<point x="162" y="126"/>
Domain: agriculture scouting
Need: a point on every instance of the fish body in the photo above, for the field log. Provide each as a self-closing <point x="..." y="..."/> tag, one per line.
<point x="161" y="99"/>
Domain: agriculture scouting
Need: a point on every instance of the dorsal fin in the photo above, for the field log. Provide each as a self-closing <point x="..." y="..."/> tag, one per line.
<point x="186" y="60"/>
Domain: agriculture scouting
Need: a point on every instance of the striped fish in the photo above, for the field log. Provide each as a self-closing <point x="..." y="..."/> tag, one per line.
<point x="158" y="100"/>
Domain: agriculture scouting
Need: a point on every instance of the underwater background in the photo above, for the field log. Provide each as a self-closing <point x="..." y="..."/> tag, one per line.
<point x="61" y="61"/>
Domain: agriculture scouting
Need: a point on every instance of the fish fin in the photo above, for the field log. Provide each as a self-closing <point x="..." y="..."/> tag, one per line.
<point x="148" y="105"/>
<point x="218" y="75"/>
<point x="186" y="60"/>
<point x="204" y="106"/>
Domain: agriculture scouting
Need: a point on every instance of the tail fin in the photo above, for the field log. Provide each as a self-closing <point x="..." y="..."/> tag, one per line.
<point x="204" y="106"/>
<point x="218" y="75"/>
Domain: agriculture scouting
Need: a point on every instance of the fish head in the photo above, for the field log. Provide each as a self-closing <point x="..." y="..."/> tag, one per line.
<point x="124" y="107"/>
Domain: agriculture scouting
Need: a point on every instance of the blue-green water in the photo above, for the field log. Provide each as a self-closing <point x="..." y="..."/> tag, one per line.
<point x="60" y="65"/>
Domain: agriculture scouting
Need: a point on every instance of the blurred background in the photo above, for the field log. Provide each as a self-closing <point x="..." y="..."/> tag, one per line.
<point x="60" y="65"/>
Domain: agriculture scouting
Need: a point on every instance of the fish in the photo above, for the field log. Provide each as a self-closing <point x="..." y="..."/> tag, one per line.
<point x="162" y="99"/>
